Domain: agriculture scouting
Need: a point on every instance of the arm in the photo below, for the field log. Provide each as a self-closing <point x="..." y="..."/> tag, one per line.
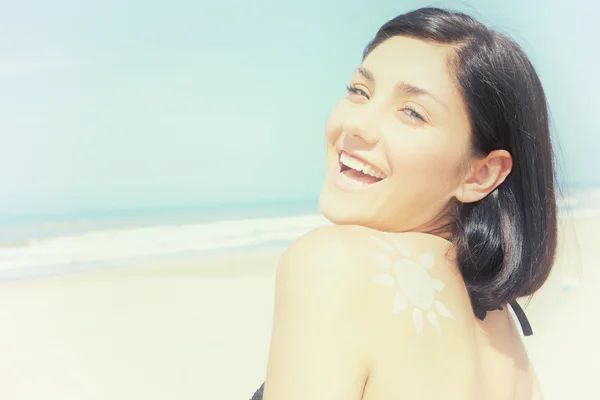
<point x="318" y="345"/>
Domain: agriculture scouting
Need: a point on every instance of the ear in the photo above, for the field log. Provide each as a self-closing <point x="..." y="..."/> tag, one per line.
<point x="485" y="175"/>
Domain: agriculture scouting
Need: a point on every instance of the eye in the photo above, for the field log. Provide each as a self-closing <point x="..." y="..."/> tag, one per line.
<point x="355" y="90"/>
<point x="413" y="114"/>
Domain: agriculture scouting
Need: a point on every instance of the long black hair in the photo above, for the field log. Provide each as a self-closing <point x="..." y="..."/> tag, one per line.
<point x="506" y="242"/>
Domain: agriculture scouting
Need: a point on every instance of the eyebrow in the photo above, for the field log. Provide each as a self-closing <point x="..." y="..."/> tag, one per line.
<point x="403" y="87"/>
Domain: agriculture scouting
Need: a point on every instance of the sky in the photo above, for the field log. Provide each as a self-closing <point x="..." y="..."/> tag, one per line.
<point x="109" y="105"/>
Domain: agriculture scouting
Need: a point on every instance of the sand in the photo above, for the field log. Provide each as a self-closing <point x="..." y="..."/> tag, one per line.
<point x="200" y="329"/>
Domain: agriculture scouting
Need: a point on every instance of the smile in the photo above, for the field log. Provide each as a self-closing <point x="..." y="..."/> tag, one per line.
<point x="356" y="174"/>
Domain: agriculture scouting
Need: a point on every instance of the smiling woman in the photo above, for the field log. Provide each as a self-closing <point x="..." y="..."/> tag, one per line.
<point x="391" y="120"/>
<point x="440" y="185"/>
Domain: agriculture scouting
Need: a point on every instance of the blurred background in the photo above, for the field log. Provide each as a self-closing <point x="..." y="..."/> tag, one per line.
<point x="142" y="113"/>
<point x="152" y="131"/>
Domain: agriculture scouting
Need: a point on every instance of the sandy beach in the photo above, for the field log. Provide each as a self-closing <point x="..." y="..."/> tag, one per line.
<point x="200" y="329"/>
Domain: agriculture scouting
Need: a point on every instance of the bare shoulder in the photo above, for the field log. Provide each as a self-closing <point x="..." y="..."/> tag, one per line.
<point x="328" y="262"/>
<point x="349" y="300"/>
<point x="394" y="272"/>
<point x="418" y="285"/>
<point x="403" y="283"/>
<point x="332" y="247"/>
<point x="344" y="255"/>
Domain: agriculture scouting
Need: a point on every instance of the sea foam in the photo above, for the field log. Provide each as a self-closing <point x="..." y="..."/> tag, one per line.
<point x="100" y="247"/>
<point x="110" y="245"/>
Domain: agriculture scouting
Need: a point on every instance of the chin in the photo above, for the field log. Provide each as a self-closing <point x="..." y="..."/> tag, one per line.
<point x="349" y="196"/>
<point x="332" y="207"/>
<point x="340" y="210"/>
<point x="346" y="209"/>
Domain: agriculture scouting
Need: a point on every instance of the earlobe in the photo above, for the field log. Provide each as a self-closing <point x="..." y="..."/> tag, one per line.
<point x="467" y="194"/>
<point x="469" y="191"/>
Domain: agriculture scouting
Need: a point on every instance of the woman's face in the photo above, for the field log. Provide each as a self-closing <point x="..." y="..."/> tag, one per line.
<point x="398" y="141"/>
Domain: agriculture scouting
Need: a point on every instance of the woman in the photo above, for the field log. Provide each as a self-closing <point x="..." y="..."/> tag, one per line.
<point x="440" y="187"/>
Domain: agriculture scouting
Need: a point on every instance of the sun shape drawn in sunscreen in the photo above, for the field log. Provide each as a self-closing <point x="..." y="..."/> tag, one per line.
<point x="413" y="284"/>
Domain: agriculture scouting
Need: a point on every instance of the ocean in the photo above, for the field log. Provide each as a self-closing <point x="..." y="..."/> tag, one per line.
<point x="40" y="246"/>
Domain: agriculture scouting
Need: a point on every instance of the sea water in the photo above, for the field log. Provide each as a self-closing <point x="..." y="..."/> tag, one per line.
<point x="39" y="246"/>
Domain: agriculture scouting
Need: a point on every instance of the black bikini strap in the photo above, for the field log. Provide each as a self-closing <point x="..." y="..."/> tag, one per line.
<point x="525" y="325"/>
<point x="523" y="321"/>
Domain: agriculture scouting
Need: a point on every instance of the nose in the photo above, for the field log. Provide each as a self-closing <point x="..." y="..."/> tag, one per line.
<point x="361" y="125"/>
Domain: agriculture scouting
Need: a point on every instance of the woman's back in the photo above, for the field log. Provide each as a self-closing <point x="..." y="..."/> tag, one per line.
<point x="489" y="362"/>
<point x="463" y="357"/>
<point x="413" y="333"/>
<point x="507" y="372"/>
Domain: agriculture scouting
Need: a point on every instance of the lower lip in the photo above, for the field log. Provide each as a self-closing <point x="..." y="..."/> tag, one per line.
<point x="346" y="184"/>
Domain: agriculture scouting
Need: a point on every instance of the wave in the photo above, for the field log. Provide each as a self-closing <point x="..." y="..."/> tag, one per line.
<point x="158" y="241"/>
<point x="120" y="244"/>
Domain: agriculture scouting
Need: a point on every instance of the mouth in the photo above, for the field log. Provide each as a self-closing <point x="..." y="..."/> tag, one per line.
<point x="355" y="173"/>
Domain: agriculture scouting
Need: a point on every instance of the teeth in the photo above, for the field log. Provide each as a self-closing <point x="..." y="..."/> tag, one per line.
<point x="360" y="166"/>
<point x="353" y="181"/>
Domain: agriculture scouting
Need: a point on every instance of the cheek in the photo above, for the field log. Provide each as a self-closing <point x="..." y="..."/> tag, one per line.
<point x="426" y="160"/>
<point x="333" y="128"/>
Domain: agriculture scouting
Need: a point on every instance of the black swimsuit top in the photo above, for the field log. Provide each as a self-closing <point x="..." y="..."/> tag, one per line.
<point x="479" y="313"/>
<point x="520" y="314"/>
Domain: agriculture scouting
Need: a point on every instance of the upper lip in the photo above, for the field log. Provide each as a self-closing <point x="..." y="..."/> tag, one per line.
<point x="363" y="160"/>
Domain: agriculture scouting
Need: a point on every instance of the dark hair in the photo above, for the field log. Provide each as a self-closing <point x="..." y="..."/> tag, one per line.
<point x="506" y="242"/>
